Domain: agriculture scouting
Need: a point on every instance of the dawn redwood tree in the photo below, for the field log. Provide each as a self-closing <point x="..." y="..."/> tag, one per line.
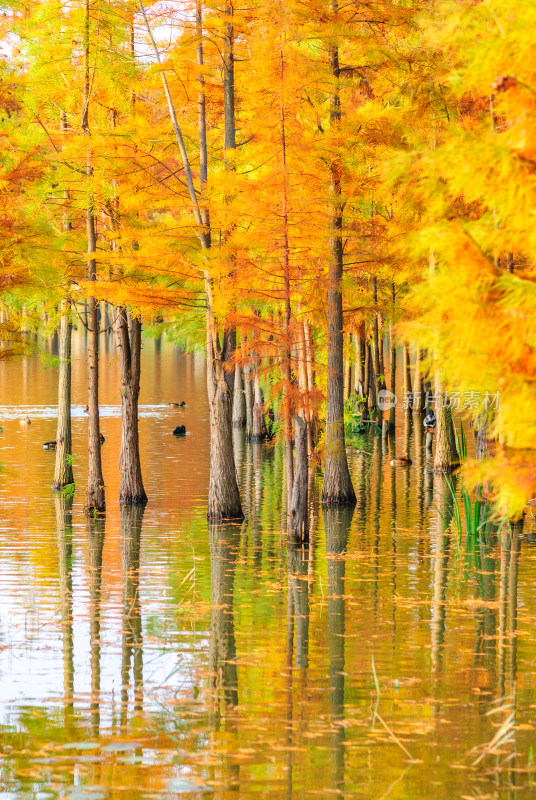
<point x="224" y="496"/>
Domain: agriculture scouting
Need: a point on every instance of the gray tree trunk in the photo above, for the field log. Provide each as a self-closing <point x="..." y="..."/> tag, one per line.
<point x="223" y="494"/>
<point x="131" y="491"/>
<point x="63" y="471"/>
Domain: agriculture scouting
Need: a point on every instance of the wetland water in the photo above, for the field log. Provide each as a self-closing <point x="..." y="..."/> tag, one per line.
<point x="150" y="655"/>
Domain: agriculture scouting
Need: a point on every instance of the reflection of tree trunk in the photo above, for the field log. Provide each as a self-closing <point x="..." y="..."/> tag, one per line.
<point x="64" y="528"/>
<point x="298" y="565"/>
<point x="63" y="471"/>
<point x="512" y="604"/>
<point x="132" y="642"/>
<point x="445" y="510"/>
<point x="224" y="542"/>
<point x="256" y="533"/>
<point x="337" y="525"/>
<point x="95" y="534"/>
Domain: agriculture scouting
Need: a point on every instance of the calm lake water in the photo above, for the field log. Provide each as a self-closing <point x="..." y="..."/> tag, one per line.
<point x="150" y="655"/>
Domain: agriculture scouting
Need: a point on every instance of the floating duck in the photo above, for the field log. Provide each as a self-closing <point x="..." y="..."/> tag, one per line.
<point x="405" y="461"/>
<point x="49" y="445"/>
<point x="430" y="420"/>
<point x="86" y="410"/>
<point x="25" y="421"/>
<point x="180" y="430"/>
<point x="182" y="404"/>
<point x="101" y="437"/>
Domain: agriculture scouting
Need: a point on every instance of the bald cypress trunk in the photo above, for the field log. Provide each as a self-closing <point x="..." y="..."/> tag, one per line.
<point x="445" y="456"/>
<point x="95" y="499"/>
<point x="129" y="343"/>
<point x="337" y="487"/>
<point x="63" y="470"/>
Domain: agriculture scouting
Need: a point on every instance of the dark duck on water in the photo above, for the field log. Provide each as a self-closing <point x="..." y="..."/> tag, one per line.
<point x="182" y="404"/>
<point x="405" y="461"/>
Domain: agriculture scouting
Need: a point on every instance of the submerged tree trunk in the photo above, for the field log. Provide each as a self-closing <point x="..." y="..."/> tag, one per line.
<point x="239" y="399"/>
<point x="63" y="471"/>
<point x="445" y="456"/>
<point x="248" y="394"/>
<point x="223" y="495"/>
<point x="129" y="343"/>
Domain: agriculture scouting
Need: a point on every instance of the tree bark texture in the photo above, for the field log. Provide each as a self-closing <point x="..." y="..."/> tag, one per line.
<point x="131" y="491"/>
<point x="445" y="456"/>
<point x="223" y="494"/>
<point x="63" y="470"/>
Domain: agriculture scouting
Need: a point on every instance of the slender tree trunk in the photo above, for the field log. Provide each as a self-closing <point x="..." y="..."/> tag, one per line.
<point x="347" y="373"/>
<point x="95" y="500"/>
<point x="239" y="399"/>
<point x="63" y="472"/>
<point x="418" y="386"/>
<point x="380" y="379"/>
<point x="337" y="487"/>
<point x="408" y="390"/>
<point x="359" y="375"/>
<point x="248" y="392"/>
<point x="392" y="344"/>
<point x="129" y="342"/>
<point x="259" y="432"/>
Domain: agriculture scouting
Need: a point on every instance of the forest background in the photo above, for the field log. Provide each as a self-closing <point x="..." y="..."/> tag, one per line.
<point x="290" y="185"/>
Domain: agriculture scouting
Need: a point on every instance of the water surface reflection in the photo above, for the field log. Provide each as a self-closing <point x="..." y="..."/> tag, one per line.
<point x="152" y="655"/>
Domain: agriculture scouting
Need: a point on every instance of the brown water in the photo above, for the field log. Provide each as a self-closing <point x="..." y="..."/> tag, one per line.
<point x="148" y="656"/>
